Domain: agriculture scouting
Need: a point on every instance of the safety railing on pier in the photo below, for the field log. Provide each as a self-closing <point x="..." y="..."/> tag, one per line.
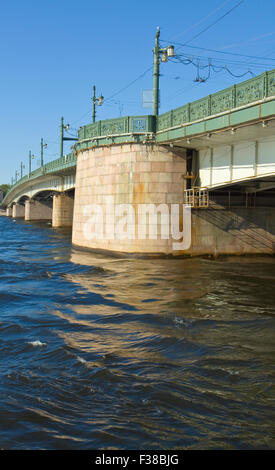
<point x="197" y="198"/>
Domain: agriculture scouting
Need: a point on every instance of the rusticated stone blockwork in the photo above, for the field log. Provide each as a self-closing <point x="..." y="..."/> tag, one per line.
<point x="133" y="174"/>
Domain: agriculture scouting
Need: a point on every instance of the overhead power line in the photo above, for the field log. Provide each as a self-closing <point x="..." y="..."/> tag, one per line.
<point x="209" y="67"/>
<point x="203" y="19"/>
<point x="129" y="84"/>
<point x="215" y="22"/>
<point x="219" y="52"/>
<point x="247" y="41"/>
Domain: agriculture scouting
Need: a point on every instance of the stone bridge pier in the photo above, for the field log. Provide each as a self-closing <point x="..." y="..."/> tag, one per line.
<point x="18" y="211"/>
<point x="63" y="208"/>
<point x="131" y="176"/>
<point x="37" y="210"/>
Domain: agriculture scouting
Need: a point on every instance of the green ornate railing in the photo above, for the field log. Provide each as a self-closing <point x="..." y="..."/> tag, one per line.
<point x="119" y="130"/>
<point x="67" y="161"/>
<point x="254" y="89"/>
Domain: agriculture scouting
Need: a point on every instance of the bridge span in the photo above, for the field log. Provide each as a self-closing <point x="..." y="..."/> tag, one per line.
<point x="216" y="155"/>
<point x="37" y="196"/>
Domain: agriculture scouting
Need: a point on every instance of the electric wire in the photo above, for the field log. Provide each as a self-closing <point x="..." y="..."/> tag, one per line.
<point x="131" y="83"/>
<point x="247" y="41"/>
<point x="215" y="22"/>
<point x="203" y="19"/>
<point x="209" y="66"/>
<point x="218" y="51"/>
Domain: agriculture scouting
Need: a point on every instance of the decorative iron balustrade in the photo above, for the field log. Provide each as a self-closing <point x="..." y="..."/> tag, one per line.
<point x="120" y="129"/>
<point x="254" y="89"/>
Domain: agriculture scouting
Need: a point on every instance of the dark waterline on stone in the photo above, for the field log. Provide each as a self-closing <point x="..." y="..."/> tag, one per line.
<point x="106" y="353"/>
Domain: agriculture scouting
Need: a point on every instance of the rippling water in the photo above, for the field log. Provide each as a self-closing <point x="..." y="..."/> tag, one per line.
<point x="105" y="353"/>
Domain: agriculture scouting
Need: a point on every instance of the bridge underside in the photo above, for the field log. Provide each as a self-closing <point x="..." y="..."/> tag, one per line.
<point x="242" y="156"/>
<point x="242" y="196"/>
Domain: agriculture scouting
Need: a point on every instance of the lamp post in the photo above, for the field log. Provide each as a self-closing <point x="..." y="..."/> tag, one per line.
<point x="99" y="101"/>
<point x="43" y="146"/>
<point x="159" y="54"/>
<point x="62" y="138"/>
<point x="30" y="162"/>
<point x="22" y="168"/>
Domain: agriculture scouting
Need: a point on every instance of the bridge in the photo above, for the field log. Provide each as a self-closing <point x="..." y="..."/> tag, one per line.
<point x="216" y="154"/>
<point x="35" y="195"/>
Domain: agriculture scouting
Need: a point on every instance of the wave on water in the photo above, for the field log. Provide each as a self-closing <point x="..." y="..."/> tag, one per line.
<point x="99" y="353"/>
<point x="37" y="343"/>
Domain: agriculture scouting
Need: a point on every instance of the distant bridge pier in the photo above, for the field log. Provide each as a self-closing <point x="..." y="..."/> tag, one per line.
<point x="9" y="211"/>
<point x="63" y="208"/>
<point x="37" y="210"/>
<point x="18" y="211"/>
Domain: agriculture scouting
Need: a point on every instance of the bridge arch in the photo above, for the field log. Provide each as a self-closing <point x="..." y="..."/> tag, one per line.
<point x="22" y="199"/>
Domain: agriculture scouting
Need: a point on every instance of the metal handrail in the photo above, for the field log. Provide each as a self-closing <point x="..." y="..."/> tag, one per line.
<point x="238" y="96"/>
<point x="196" y="197"/>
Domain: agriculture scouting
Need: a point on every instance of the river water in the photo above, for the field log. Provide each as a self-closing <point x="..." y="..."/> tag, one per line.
<point x="98" y="352"/>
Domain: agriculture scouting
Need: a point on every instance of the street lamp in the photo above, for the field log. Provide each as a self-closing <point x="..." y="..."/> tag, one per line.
<point x="43" y="146"/>
<point x="31" y="157"/>
<point x="22" y="168"/>
<point x="99" y="101"/>
<point x="162" y="54"/>
<point x="62" y="138"/>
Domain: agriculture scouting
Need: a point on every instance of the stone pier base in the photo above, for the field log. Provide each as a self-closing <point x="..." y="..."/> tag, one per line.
<point x="18" y="211"/>
<point x="63" y="208"/>
<point x="129" y="176"/>
<point x="36" y="210"/>
<point x="9" y="211"/>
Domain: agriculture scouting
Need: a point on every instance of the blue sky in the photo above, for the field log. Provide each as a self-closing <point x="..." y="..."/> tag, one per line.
<point x="53" y="52"/>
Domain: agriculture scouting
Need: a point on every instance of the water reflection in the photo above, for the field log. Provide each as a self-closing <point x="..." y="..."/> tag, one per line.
<point x="100" y="352"/>
<point x="156" y="283"/>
